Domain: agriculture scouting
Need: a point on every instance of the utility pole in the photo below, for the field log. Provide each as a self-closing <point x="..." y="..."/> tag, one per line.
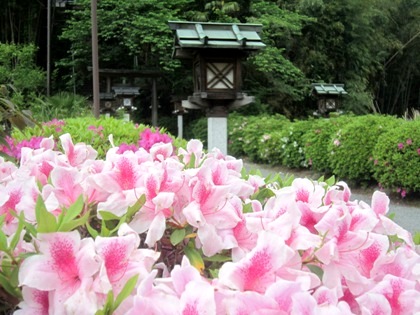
<point x="95" y="62"/>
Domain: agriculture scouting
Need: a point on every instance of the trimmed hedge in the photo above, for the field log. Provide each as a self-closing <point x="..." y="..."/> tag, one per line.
<point x="397" y="157"/>
<point x="352" y="148"/>
<point x="359" y="148"/>
<point x="318" y="138"/>
<point x="253" y="130"/>
<point x="293" y="146"/>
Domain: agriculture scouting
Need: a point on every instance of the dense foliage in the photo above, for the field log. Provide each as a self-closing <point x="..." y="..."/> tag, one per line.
<point x="397" y="157"/>
<point x="352" y="146"/>
<point x="370" y="46"/>
<point x="365" y="149"/>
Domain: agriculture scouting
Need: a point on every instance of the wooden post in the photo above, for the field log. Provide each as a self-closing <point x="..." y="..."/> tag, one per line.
<point x="95" y="62"/>
<point x="154" y="104"/>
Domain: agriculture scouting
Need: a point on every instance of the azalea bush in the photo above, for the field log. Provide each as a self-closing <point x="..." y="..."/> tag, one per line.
<point x="90" y="130"/>
<point x="292" y="149"/>
<point x="317" y="139"/>
<point x="397" y="158"/>
<point x="158" y="231"/>
<point x="256" y="130"/>
<point x="351" y="150"/>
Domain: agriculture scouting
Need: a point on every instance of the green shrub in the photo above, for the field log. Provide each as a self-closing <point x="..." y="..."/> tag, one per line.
<point x="397" y="157"/>
<point x="61" y="105"/>
<point x="317" y="139"/>
<point x="198" y="130"/>
<point x="270" y="150"/>
<point x="256" y="129"/>
<point x="351" y="151"/>
<point x="236" y="140"/>
<point x="91" y="131"/>
<point x="292" y="149"/>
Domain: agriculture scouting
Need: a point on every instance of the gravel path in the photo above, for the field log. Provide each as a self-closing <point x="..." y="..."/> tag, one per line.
<point x="407" y="212"/>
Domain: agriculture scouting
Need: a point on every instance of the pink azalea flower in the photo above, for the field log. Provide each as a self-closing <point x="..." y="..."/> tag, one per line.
<point x="340" y="249"/>
<point x="121" y="259"/>
<point x="148" y="299"/>
<point x="149" y="138"/>
<point x="35" y="302"/>
<point x="282" y="292"/>
<point x="256" y="271"/>
<point x="76" y="154"/>
<point x="64" y="265"/>
<point x="248" y="302"/>
<point x="392" y="294"/>
<point x="15" y="197"/>
<point x="6" y="170"/>
<point x="400" y="146"/>
<point x="194" y="148"/>
<point x="198" y="298"/>
<point x="66" y="182"/>
<point x="126" y="147"/>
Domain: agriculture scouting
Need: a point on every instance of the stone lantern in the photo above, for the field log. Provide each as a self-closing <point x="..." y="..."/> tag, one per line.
<point x="328" y="96"/>
<point x="217" y="51"/>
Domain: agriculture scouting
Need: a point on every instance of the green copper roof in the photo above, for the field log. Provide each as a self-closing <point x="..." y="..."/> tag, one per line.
<point x="216" y="35"/>
<point x="327" y="88"/>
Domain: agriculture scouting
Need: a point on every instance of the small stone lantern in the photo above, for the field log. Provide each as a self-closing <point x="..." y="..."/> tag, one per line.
<point x="216" y="50"/>
<point x="125" y="96"/>
<point x="328" y="96"/>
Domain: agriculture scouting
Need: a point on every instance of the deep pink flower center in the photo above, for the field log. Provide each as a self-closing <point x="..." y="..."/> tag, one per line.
<point x="258" y="267"/>
<point x="64" y="260"/>
<point x="126" y="176"/>
<point x="115" y="261"/>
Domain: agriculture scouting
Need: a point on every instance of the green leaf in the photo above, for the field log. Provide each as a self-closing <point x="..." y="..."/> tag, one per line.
<point x="194" y="257"/>
<point x="126" y="291"/>
<point x="5" y="283"/>
<point x="3" y="242"/>
<point x="177" y="236"/>
<point x="91" y="230"/>
<point x="247" y="208"/>
<point x="107" y="309"/>
<point x="218" y="258"/>
<point x="316" y="270"/>
<point x="16" y="236"/>
<point x="46" y="221"/>
<point x="263" y="194"/>
<point x="74" y="210"/>
<point x="134" y="208"/>
<point x="416" y="238"/>
<point x="70" y="226"/>
<point x="214" y="273"/>
<point x="330" y="181"/>
<point x="191" y="164"/>
<point x="104" y="230"/>
<point x="108" y="216"/>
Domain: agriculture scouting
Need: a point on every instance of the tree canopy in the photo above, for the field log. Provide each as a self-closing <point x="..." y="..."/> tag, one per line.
<point x="369" y="45"/>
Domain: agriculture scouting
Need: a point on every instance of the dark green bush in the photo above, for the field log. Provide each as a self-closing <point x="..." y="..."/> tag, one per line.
<point x="351" y="148"/>
<point x="61" y="105"/>
<point x="317" y="139"/>
<point x="198" y="130"/>
<point x="397" y="157"/>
